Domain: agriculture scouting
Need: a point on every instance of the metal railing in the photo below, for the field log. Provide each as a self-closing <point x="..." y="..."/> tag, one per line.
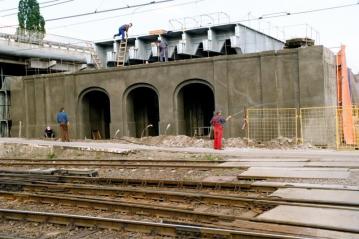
<point x="330" y="126"/>
<point x="45" y="40"/>
<point x="269" y="124"/>
<point x="201" y="132"/>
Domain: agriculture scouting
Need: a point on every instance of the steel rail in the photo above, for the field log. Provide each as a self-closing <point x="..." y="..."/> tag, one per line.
<point x="161" y="195"/>
<point x="121" y="165"/>
<point x="165" y="229"/>
<point x="163" y="212"/>
<point x="121" y="160"/>
<point x="4" y="236"/>
<point x="233" y="186"/>
<point x="145" y="209"/>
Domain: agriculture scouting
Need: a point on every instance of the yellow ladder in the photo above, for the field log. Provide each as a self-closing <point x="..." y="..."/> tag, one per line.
<point x="95" y="59"/>
<point x="121" y="53"/>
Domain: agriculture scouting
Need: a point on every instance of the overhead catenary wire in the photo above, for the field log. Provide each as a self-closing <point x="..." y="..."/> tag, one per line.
<point x="108" y="10"/>
<point x="239" y="21"/>
<point x="163" y="1"/>
<point x="15" y="8"/>
<point x="51" y="5"/>
<point x="100" y="12"/>
<point x="127" y="14"/>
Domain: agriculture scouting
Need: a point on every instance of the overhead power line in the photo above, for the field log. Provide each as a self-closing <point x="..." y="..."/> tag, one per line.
<point x="107" y="10"/>
<point x="127" y="14"/>
<point x="15" y="8"/>
<point x="283" y="14"/>
<point x="51" y="5"/>
<point x="99" y="12"/>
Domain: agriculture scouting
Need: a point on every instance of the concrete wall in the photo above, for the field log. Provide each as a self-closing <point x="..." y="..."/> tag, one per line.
<point x="301" y="77"/>
<point x="354" y="87"/>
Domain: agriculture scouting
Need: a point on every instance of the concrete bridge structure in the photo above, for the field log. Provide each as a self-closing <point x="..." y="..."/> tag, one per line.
<point x="182" y="93"/>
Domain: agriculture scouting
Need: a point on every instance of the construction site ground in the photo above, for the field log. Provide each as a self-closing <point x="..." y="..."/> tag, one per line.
<point x="306" y="192"/>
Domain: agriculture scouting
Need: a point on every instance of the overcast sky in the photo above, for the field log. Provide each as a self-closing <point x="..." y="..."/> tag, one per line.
<point x="335" y="27"/>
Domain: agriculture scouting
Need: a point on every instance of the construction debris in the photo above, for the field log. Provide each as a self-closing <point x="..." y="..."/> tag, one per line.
<point x="186" y="141"/>
<point x="299" y="42"/>
<point x="157" y="32"/>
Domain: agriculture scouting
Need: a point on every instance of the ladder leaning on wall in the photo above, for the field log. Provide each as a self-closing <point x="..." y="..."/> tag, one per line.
<point x="94" y="57"/>
<point x="121" y="52"/>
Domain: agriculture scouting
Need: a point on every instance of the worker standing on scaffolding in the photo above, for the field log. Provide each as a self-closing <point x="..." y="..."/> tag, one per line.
<point x="122" y="30"/>
<point x="217" y="122"/>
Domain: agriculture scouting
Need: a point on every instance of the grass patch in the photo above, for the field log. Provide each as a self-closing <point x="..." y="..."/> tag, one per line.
<point x="210" y="157"/>
<point x="51" y="155"/>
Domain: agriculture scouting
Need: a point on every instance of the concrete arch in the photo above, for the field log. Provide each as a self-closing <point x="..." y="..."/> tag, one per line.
<point x="94" y="113"/>
<point x="141" y="109"/>
<point x="194" y="106"/>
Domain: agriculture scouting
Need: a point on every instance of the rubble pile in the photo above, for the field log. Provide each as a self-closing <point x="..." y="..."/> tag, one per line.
<point x="186" y="141"/>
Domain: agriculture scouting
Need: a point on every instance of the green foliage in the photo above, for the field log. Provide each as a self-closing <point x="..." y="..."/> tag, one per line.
<point x="210" y="157"/>
<point x="51" y="155"/>
<point x="29" y="16"/>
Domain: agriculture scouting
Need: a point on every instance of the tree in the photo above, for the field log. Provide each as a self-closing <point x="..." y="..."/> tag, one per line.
<point x="29" y="17"/>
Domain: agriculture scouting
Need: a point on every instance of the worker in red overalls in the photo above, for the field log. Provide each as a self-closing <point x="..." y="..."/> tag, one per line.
<point x="217" y="122"/>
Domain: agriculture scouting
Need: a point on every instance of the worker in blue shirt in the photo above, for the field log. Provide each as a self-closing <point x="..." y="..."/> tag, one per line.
<point x="62" y="119"/>
<point x="122" y="30"/>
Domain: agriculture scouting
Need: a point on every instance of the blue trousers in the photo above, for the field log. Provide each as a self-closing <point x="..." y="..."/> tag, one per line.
<point x="121" y="32"/>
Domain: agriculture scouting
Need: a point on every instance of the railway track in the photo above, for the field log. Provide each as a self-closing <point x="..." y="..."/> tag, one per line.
<point x="147" y="198"/>
<point x="169" y="213"/>
<point x="239" y="199"/>
<point x="164" y="229"/>
<point x="244" y="185"/>
<point x="182" y="211"/>
<point x="119" y="163"/>
<point x="119" y="160"/>
<point x="173" y="164"/>
<point x="199" y="209"/>
<point x="122" y="165"/>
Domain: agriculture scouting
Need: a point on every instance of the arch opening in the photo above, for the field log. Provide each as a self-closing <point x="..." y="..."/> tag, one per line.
<point x="142" y="112"/>
<point x="95" y="114"/>
<point x="195" y="107"/>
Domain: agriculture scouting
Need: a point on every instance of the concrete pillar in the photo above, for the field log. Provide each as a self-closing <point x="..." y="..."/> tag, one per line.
<point x="187" y="45"/>
<point x="141" y="50"/>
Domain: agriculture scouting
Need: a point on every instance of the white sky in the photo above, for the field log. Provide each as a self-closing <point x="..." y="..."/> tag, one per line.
<point x="335" y="27"/>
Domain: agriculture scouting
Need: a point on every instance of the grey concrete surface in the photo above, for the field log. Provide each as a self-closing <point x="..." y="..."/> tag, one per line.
<point x="287" y="78"/>
<point x="262" y="172"/>
<point x="264" y="164"/>
<point x="117" y="146"/>
<point x="306" y="185"/>
<point x="347" y="220"/>
<point x="293" y="163"/>
<point x="319" y="195"/>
